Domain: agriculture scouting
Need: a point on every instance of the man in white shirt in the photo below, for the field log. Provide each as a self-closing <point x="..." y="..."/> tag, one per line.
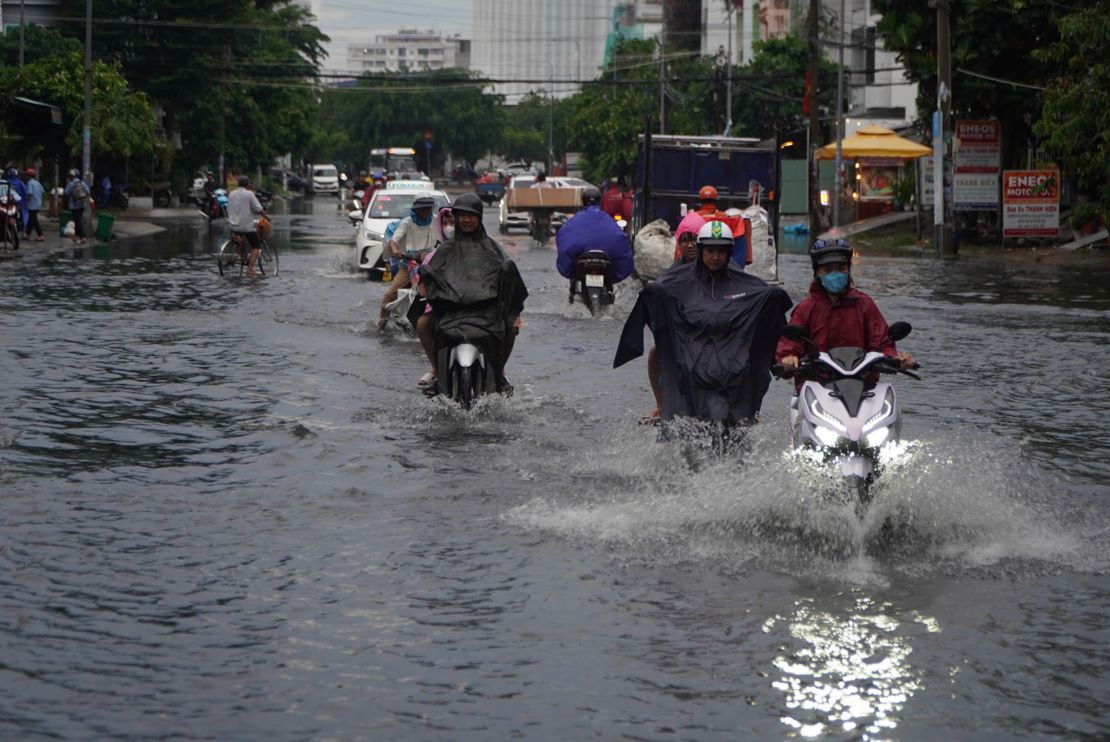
<point x="242" y="205"/>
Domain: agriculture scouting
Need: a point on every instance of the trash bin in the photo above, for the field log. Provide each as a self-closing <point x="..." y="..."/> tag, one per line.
<point x="104" y="224"/>
<point x="63" y="219"/>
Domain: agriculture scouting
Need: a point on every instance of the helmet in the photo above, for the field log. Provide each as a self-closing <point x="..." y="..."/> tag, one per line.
<point x="423" y="201"/>
<point x="74" y="173"/>
<point x="830" y="251"/>
<point x="707" y="193"/>
<point x="591" y="196"/>
<point x="469" y="203"/>
<point x="715" y="234"/>
<point x="30" y="171"/>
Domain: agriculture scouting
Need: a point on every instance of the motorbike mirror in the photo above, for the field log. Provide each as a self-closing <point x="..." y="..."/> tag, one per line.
<point x="899" y="330"/>
<point x="795" y="333"/>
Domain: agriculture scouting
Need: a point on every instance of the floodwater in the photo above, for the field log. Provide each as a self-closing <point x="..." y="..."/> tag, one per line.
<point x="227" y="513"/>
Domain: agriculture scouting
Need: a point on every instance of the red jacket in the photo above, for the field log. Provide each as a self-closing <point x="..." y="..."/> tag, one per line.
<point x="612" y="203"/>
<point x="854" y="321"/>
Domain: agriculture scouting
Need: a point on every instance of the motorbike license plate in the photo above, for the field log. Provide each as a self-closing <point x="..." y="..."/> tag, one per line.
<point x="595" y="280"/>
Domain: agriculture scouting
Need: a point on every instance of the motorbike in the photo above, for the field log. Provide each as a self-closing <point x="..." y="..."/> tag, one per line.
<point x="118" y="196"/>
<point x="216" y="206"/>
<point x="593" y="280"/>
<point x="842" y="414"/>
<point x="539" y="225"/>
<point x="464" y="373"/>
<point x="354" y="208"/>
<point x="9" y="218"/>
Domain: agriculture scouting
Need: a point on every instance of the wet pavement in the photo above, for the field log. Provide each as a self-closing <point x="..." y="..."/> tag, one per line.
<point x="228" y="513"/>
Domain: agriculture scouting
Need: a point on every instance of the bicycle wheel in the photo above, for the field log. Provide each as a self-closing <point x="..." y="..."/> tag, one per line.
<point x="268" y="260"/>
<point x="227" y="256"/>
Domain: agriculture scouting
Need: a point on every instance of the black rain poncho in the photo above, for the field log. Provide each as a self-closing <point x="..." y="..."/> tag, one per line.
<point x="715" y="334"/>
<point x="475" y="290"/>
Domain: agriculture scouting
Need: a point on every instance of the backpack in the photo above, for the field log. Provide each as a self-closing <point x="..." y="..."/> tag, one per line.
<point x="80" y="191"/>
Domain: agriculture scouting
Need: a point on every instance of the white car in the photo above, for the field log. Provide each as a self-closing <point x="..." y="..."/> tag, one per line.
<point x="325" y="179"/>
<point x="507" y="220"/>
<point x="386" y="206"/>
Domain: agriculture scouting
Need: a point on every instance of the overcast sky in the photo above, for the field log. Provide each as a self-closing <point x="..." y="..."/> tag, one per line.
<point x="357" y="21"/>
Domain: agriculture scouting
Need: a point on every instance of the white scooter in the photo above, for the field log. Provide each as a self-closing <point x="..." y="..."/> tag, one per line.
<point x="841" y="415"/>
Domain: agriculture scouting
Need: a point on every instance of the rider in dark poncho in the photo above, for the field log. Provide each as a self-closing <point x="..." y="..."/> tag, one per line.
<point x="715" y="329"/>
<point x="475" y="289"/>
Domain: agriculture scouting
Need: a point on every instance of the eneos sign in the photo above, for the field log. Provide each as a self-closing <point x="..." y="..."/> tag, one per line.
<point x="1030" y="203"/>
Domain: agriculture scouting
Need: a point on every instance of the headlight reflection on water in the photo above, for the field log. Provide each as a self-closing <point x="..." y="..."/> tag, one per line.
<point x="847" y="672"/>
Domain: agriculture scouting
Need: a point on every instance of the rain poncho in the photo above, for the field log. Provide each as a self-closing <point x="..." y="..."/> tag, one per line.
<point x="593" y="229"/>
<point x="475" y="291"/>
<point x="715" y="333"/>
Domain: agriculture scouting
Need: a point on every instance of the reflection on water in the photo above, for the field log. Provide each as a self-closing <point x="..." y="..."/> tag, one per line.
<point x="846" y="671"/>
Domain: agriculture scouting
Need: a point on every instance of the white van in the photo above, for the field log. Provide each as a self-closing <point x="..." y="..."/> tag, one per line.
<point x="325" y="179"/>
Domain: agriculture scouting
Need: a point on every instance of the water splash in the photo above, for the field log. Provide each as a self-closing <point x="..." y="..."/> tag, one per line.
<point x="947" y="505"/>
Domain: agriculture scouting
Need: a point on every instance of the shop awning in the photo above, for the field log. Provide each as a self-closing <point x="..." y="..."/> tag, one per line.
<point x="874" y="141"/>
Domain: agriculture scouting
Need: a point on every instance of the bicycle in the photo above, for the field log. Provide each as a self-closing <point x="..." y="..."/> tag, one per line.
<point x="237" y="251"/>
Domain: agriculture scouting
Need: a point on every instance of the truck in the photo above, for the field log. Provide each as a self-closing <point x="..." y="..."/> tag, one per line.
<point x="671" y="169"/>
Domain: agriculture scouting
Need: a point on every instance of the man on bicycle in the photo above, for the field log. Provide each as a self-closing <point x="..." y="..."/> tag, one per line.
<point x="242" y="205"/>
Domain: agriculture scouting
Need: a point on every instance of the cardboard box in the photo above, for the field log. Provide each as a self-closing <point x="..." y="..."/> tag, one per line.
<point x="551" y="198"/>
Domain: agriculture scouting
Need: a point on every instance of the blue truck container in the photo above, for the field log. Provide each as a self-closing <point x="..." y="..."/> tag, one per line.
<point x="670" y="170"/>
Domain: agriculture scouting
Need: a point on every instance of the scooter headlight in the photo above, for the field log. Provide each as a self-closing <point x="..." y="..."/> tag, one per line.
<point x="886" y="411"/>
<point x="876" y="438"/>
<point x="827" y="437"/>
<point x="819" y="411"/>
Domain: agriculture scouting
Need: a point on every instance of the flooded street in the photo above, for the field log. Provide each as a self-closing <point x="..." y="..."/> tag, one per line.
<point x="228" y="513"/>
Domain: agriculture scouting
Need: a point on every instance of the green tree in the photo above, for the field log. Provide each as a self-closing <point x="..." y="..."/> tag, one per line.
<point x="995" y="38"/>
<point x="390" y="109"/>
<point x="768" y="91"/>
<point x="231" y="76"/>
<point x="605" y="118"/>
<point x="1076" y="121"/>
<point x="122" y="120"/>
<point x="525" y="136"/>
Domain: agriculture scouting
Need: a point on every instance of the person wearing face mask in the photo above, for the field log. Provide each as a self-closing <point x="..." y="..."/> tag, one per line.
<point x="715" y="330"/>
<point x="836" y="314"/>
<point x="411" y="241"/>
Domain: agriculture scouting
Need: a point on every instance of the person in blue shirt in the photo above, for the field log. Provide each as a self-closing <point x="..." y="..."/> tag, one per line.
<point x="35" y="193"/>
<point x="593" y="229"/>
<point x="17" y="186"/>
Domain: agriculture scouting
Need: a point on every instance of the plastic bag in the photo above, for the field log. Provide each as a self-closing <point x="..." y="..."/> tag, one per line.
<point x="654" y="250"/>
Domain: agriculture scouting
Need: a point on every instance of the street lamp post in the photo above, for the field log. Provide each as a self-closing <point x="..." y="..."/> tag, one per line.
<point x="86" y="132"/>
<point x="839" y="122"/>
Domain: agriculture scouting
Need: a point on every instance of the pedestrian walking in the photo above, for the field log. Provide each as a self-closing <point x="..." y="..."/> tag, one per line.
<point x="35" y="193"/>
<point x="77" y="198"/>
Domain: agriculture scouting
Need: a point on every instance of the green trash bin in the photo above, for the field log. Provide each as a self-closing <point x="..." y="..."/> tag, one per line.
<point x="63" y="219"/>
<point x="104" y="224"/>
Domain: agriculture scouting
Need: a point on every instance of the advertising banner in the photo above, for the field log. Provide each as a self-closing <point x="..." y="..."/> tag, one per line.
<point x="1030" y="203"/>
<point x="976" y="165"/>
<point x="876" y="178"/>
<point x="927" y="172"/>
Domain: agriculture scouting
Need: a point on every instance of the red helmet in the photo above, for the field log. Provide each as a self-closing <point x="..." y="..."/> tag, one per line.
<point x="707" y="193"/>
<point x="29" y="171"/>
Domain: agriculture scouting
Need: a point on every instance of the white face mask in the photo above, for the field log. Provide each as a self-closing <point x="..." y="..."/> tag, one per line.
<point x="449" y="232"/>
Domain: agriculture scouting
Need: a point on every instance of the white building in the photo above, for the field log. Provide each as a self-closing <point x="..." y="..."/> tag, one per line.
<point x="408" y="50"/>
<point x="876" y="81"/>
<point x="542" y="44"/>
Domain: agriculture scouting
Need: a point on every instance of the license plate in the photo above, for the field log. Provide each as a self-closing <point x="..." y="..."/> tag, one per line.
<point x="595" y="280"/>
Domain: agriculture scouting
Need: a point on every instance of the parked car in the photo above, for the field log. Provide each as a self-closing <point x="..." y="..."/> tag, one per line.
<point x="386" y="205"/>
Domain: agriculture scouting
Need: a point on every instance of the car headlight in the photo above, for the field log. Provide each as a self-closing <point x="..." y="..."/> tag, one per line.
<point x="876" y="438"/>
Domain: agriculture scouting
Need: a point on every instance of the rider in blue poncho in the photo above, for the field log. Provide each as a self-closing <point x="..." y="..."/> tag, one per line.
<point x="593" y="229"/>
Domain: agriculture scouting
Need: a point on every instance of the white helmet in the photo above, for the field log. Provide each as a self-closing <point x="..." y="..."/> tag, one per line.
<point x="715" y="234"/>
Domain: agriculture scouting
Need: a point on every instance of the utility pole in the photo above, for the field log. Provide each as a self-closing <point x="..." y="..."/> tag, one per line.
<point x="662" y="90"/>
<point x="22" y="23"/>
<point x="811" y="101"/>
<point x="86" y="132"/>
<point x="728" y="84"/>
<point x="942" y="209"/>
<point x="839" y="123"/>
